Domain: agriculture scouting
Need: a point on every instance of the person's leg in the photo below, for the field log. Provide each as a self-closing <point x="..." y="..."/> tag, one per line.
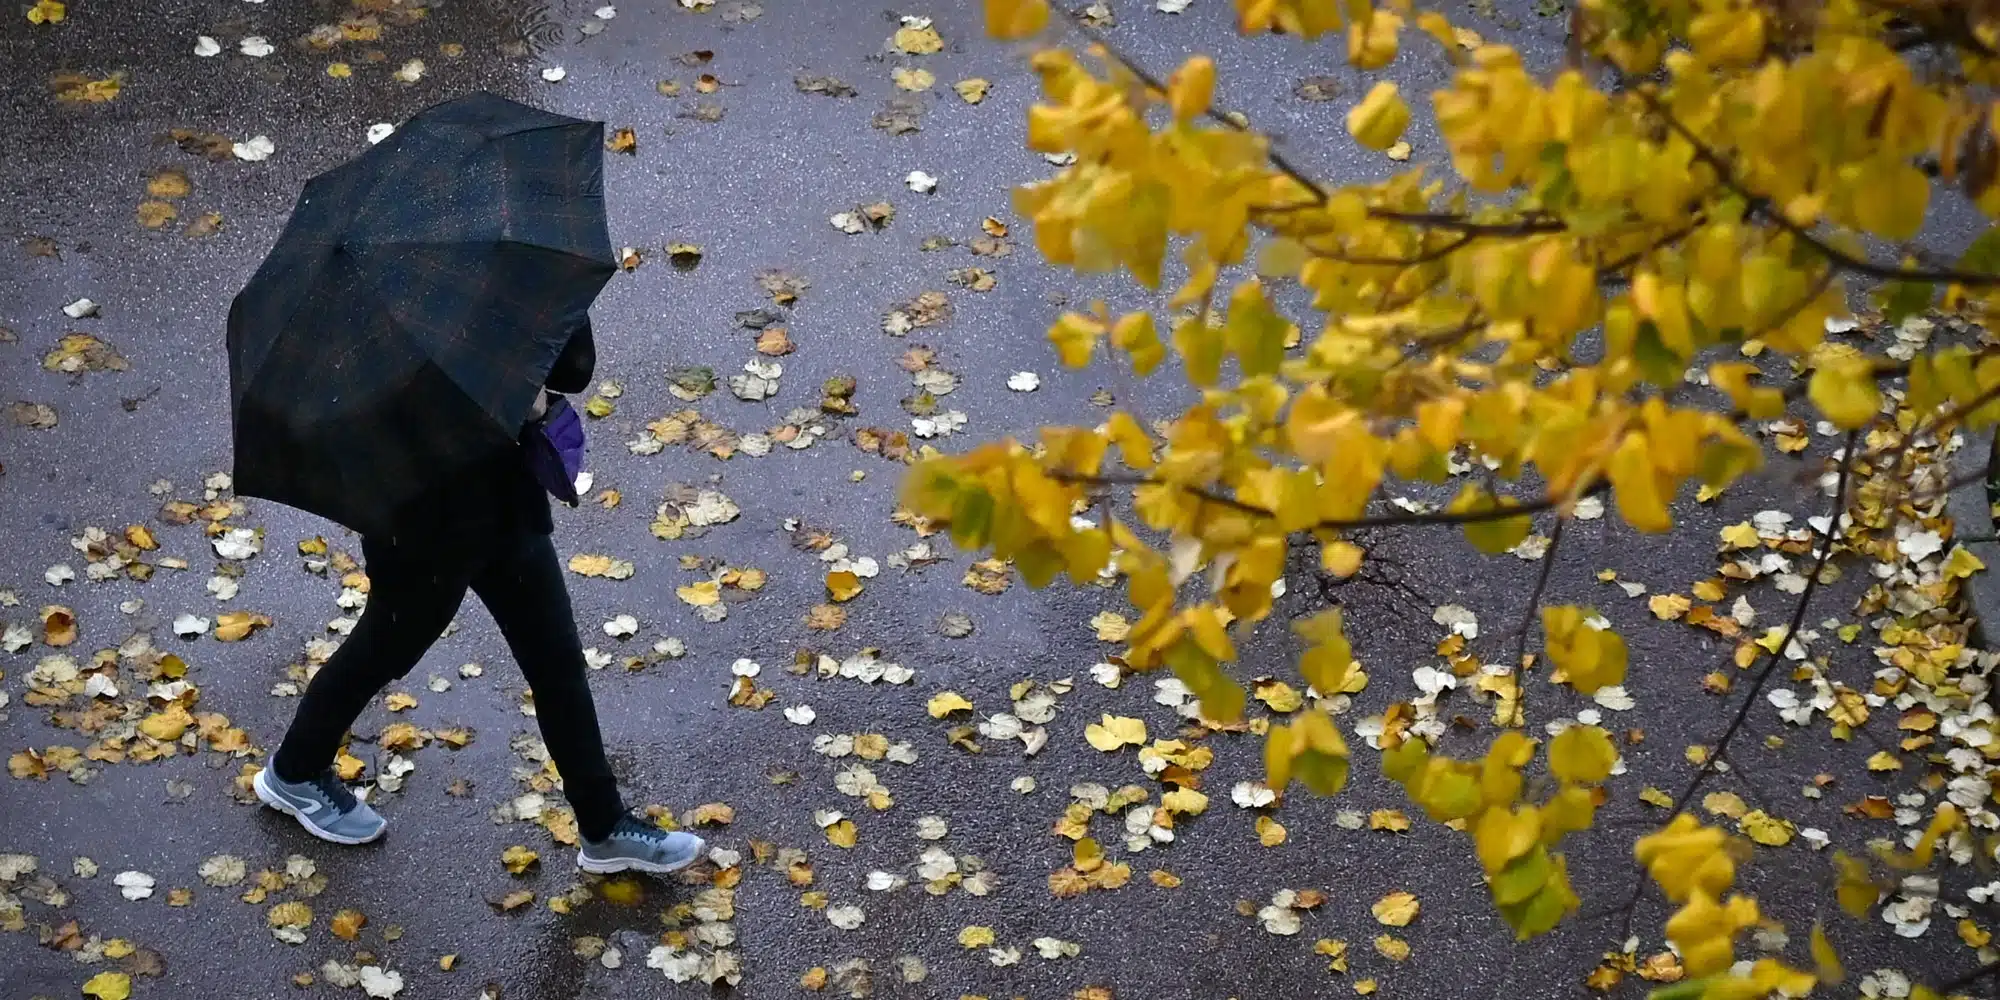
<point x="523" y="587"/>
<point x="412" y="596"/>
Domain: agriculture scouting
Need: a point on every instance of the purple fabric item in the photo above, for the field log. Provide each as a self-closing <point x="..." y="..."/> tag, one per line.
<point x="555" y="450"/>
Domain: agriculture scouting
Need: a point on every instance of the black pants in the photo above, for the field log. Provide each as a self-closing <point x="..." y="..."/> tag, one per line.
<point x="414" y="591"/>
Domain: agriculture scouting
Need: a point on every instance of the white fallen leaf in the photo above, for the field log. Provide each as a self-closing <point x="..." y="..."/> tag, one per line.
<point x="554" y="74"/>
<point x="931" y="827"/>
<point x="1458" y="619"/>
<point x="802" y="715"/>
<point x="59" y="574"/>
<point x="606" y="12"/>
<point x="133" y="885"/>
<point x="1054" y="948"/>
<point x="379" y="131"/>
<point x="379" y="983"/>
<point x="410" y="72"/>
<point x="846" y="916"/>
<point x="256" y="46"/>
<point x="1024" y="381"/>
<point x="206" y="47"/>
<point x="1252" y="794"/>
<point x="745" y="667"/>
<point x="920" y="182"/>
<point x="189" y="626"/>
<point x="258" y="147"/>
<point x="80" y="308"/>
<point x="848" y="222"/>
<point x="622" y="627"/>
<point x="1172" y="6"/>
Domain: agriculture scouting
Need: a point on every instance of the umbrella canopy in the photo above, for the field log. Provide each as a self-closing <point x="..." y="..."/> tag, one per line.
<point x="413" y="306"/>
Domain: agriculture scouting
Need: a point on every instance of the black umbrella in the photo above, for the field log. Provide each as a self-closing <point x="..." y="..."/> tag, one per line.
<point x="413" y="305"/>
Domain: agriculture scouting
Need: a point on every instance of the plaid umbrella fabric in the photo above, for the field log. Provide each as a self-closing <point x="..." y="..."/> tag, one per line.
<point x="399" y="330"/>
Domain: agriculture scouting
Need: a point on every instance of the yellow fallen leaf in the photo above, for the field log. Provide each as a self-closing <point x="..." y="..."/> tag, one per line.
<point x="946" y="702"/>
<point x="1655" y="797"/>
<point x="104" y="985"/>
<point x="1394" y="949"/>
<point x="976" y="936"/>
<point x="912" y="79"/>
<point x="1398" y="151"/>
<point x="1767" y="829"/>
<point x="289" y="914"/>
<point x="1184" y="802"/>
<point x="1270" y="832"/>
<point x="843" y="834"/>
<point x="58" y="625"/>
<point x="167" y="726"/>
<point x="234" y="626"/>
<point x="1667" y="607"/>
<point x="51" y="12"/>
<point x="348" y="766"/>
<point x="1110" y="626"/>
<point x="1391" y="820"/>
<point x="1335" y="952"/>
<point x="518" y="859"/>
<point x="700" y="594"/>
<point x="971" y="91"/>
<point x="346" y="925"/>
<point x="719" y="813"/>
<point x="1114" y="732"/>
<point x="399" y="701"/>
<point x="917" y="41"/>
<point x="1396" y="909"/>
<point x="1973" y="935"/>
<point x="1164" y="878"/>
<point x="843" y="586"/>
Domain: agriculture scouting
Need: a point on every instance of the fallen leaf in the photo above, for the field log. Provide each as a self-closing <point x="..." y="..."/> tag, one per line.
<point x="104" y="985"/>
<point x="946" y="702"/>
<point x="971" y="91"/>
<point x="843" y="585"/>
<point x="1396" y="909"/>
<point x="1115" y="732"/>
<point x="914" y="80"/>
<point x="346" y="925"/>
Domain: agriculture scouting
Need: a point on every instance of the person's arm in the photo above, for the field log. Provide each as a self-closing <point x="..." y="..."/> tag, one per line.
<point x="573" y="367"/>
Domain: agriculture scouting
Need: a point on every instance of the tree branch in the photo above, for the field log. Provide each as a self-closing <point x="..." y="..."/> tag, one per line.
<point x="1397" y="520"/>
<point x="1761" y="205"/>
<point x="1773" y="658"/>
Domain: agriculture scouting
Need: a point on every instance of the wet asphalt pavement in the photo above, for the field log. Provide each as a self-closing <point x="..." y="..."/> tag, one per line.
<point x="754" y="190"/>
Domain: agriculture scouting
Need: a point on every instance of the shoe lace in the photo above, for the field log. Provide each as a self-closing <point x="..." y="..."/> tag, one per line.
<point x="335" y="790"/>
<point x="632" y="828"/>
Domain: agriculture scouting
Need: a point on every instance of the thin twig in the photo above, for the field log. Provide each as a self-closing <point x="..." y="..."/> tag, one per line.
<point x="1969" y="978"/>
<point x="1777" y="655"/>
<point x="1535" y="597"/>
<point x="1770" y="664"/>
<point x="1396" y="520"/>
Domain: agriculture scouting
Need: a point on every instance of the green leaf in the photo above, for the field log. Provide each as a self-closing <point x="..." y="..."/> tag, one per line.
<point x="1983" y="255"/>
<point x="1902" y="299"/>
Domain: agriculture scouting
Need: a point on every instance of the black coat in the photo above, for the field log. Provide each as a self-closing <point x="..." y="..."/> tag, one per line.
<point x="499" y="497"/>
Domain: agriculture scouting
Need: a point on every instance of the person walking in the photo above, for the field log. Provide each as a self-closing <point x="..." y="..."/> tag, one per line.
<point x="397" y="365"/>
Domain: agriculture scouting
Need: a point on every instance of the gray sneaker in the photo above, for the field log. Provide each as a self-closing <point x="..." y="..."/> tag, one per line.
<point x="323" y="805"/>
<point x="640" y="847"/>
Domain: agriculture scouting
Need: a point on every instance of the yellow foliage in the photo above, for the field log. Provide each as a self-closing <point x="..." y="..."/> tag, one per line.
<point x="1554" y="313"/>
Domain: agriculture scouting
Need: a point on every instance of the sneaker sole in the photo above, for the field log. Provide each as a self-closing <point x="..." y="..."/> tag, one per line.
<point x="270" y="797"/>
<point x="618" y="865"/>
